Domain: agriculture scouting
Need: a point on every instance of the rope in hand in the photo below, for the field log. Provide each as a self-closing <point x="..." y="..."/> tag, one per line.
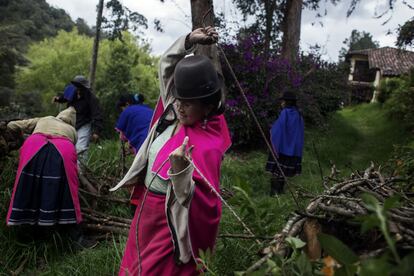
<point x="249" y="107"/>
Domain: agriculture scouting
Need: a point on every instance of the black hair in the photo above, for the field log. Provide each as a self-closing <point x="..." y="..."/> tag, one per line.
<point x="214" y="100"/>
<point x="130" y="99"/>
<point x="290" y="103"/>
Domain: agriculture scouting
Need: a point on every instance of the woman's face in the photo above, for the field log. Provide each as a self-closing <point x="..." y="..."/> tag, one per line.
<point x="190" y="111"/>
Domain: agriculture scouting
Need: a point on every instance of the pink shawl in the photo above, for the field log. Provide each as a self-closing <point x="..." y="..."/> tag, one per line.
<point x="210" y="144"/>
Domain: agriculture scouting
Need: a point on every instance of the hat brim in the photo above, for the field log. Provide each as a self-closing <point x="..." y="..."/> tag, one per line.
<point x="80" y="85"/>
<point x="217" y="89"/>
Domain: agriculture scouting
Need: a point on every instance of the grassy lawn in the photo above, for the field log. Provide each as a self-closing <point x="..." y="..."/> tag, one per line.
<point x="352" y="138"/>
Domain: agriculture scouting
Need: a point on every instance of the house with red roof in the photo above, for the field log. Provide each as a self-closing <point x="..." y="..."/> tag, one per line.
<point x="369" y="66"/>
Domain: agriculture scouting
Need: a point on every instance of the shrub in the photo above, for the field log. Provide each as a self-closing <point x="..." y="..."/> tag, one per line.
<point x="387" y="86"/>
<point x="401" y="101"/>
<point x="402" y="163"/>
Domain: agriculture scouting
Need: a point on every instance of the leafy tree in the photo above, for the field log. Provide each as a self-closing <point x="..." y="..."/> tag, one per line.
<point x="406" y="34"/>
<point x="123" y="67"/>
<point x="53" y="63"/>
<point x="116" y="79"/>
<point x="128" y="69"/>
<point x="36" y="17"/>
<point x="83" y="27"/>
<point x="357" y="41"/>
<point x="268" y="11"/>
<point x="275" y="17"/>
<point x="21" y="22"/>
<point x="120" y="19"/>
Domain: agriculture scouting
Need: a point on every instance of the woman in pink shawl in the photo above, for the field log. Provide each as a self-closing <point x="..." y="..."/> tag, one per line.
<point x="45" y="192"/>
<point x="178" y="214"/>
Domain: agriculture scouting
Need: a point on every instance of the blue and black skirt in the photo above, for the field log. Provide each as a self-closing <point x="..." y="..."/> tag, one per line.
<point x="290" y="165"/>
<point x="42" y="194"/>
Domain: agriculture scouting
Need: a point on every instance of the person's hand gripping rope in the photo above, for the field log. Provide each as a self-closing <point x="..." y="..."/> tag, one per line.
<point x="180" y="158"/>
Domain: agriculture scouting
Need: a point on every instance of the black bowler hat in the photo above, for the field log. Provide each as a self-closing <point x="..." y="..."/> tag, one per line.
<point x="195" y="78"/>
<point x="80" y="82"/>
<point x="288" y="96"/>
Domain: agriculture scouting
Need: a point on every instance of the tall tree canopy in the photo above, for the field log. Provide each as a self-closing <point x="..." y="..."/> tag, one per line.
<point x="357" y="41"/>
<point x="406" y="34"/>
<point x="23" y="22"/>
<point x="278" y="21"/>
<point x="123" y="67"/>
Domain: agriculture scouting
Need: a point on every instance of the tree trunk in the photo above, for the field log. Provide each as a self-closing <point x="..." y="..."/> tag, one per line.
<point x="92" y="69"/>
<point x="291" y="29"/>
<point x="270" y="6"/>
<point x="199" y="8"/>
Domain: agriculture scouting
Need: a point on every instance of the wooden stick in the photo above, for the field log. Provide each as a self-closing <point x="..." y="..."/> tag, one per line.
<point x="107" y="198"/>
<point x="337" y="210"/>
<point x="243" y="236"/>
<point x="87" y="184"/>
<point x="376" y="195"/>
<point x="106" y="221"/>
<point x="401" y="219"/>
<point x="102" y="228"/>
<point x="259" y="263"/>
<point x="96" y="213"/>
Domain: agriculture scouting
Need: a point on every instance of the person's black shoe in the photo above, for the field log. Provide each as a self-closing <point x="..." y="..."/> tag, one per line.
<point x="276" y="186"/>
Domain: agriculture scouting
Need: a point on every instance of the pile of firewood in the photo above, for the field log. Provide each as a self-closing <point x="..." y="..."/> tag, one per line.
<point x="94" y="193"/>
<point x="335" y="211"/>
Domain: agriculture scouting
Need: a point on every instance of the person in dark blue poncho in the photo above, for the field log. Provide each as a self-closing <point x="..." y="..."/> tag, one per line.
<point x="287" y="137"/>
<point x="134" y="122"/>
<point x="133" y="125"/>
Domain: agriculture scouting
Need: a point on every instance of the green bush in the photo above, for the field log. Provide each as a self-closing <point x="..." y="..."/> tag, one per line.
<point x="387" y="86"/>
<point x="401" y="101"/>
<point x="402" y="163"/>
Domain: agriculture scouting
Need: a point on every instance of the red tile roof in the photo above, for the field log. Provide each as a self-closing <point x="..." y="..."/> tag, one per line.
<point x="391" y="61"/>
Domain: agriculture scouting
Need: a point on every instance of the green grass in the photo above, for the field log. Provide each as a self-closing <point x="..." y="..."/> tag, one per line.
<point x="353" y="137"/>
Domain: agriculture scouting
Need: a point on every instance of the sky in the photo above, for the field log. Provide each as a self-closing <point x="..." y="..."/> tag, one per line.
<point x="329" y="31"/>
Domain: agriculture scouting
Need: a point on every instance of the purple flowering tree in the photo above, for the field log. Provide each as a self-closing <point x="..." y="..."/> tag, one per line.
<point x="320" y="87"/>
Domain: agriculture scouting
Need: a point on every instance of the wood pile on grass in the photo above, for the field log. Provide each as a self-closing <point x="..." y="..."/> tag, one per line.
<point x="95" y="192"/>
<point x="340" y="211"/>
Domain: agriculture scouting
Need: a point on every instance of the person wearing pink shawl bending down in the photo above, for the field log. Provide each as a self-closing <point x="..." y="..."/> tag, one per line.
<point x="178" y="215"/>
<point x="45" y="191"/>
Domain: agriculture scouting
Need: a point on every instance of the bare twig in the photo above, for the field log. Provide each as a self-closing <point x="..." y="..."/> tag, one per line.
<point x="106" y="216"/>
<point x="243" y="236"/>
<point x="107" y="198"/>
<point x="106" y="229"/>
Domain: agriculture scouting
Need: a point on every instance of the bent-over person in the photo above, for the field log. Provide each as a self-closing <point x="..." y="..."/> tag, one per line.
<point x="45" y="191"/>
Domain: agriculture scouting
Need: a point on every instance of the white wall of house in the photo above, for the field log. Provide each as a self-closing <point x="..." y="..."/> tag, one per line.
<point x="376" y="86"/>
